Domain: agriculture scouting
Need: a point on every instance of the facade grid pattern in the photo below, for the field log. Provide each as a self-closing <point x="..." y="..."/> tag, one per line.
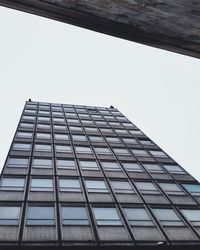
<point x="83" y="175"/>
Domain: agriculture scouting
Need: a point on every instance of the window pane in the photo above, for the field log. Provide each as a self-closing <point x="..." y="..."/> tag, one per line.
<point x="167" y="217"/>
<point x="70" y="185"/>
<point x="122" y="186"/>
<point x="21" y="146"/>
<point x="132" y="167"/>
<point x="139" y="152"/>
<point x="66" y="164"/>
<point x="40" y="216"/>
<point x="74" y="216"/>
<point x="43" y="136"/>
<point x="79" y="138"/>
<point x="45" y="185"/>
<point x="83" y="150"/>
<point x="42" y="163"/>
<point x="111" y="166"/>
<point x="43" y="147"/>
<point x="94" y="186"/>
<point x="24" y="135"/>
<point x="9" y="215"/>
<point x="17" y="162"/>
<point x="192" y="215"/>
<point x="194" y="189"/>
<point x="89" y="165"/>
<point x="107" y="216"/>
<point x="63" y="148"/>
<point x="16" y="184"/>
<point x="138" y="217"/>
<point x="158" y="153"/>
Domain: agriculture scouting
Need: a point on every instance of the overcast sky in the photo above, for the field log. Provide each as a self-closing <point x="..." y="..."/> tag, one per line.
<point x="54" y="62"/>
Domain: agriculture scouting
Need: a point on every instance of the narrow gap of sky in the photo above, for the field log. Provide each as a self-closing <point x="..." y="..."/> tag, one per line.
<point x="50" y="61"/>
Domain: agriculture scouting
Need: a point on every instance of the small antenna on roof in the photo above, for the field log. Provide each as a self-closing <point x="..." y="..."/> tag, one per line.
<point x="111" y="107"/>
<point x="29" y="100"/>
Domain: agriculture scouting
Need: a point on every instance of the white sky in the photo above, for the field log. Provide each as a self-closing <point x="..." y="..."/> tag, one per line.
<point x="50" y="61"/>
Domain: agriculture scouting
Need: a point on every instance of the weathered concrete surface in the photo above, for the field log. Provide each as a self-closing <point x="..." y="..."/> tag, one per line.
<point x="168" y="24"/>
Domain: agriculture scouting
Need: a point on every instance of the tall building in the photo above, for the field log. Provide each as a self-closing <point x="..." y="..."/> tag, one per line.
<point x="86" y="176"/>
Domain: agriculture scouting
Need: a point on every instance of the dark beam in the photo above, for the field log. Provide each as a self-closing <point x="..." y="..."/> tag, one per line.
<point x="172" y="25"/>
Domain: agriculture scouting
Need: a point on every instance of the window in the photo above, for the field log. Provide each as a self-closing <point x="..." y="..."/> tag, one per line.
<point x="63" y="148"/>
<point x="91" y="130"/>
<point x="153" y="168"/>
<point x="74" y="216"/>
<point x="73" y="121"/>
<point x="100" y="151"/>
<point x="12" y="184"/>
<point x="113" y="140"/>
<point x="136" y="132"/>
<point x="132" y="167"/>
<point x="174" y="169"/>
<point x="66" y="164"/>
<point x="40" y="216"/>
<point x="147" y="188"/>
<point x="9" y="215"/>
<point x="24" y="135"/>
<point x="43" y="119"/>
<point x="59" y="127"/>
<point x="42" y="163"/>
<point x="106" y="130"/>
<point x="138" y="217"/>
<point x="98" y="123"/>
<point x="115" y="124"/>
<point x="128" y="125"/>
<point x="96" y="186"/>
<point x="192" y="215"/>
<point x="121" y="151"/>
<point x="30" y="111"/>
<point x="122" y="187"/>
<point x="171" y="189"/>
<point x="77" y="129"/>
<point x="139" y="152"/>
<point x="69" y="185"/>
<point x="123" y="119"/>
<point x="158" y="154"/>
<point x="42" y="112"/>
<point x="43" y="126"/>
<point x="96" y="139"/>
<point x="193" y="189"/>
<point x="83" y="150"/>
<point x="146" y="142"/>
<point x="85" y="122"/>
<point x="17" y="162"/>
<point x="22" y="146"/>
<point x="130" y="140"/>
<point x="89" y="165"/>
<point x="79" y="138"/>
<point x="43" y="147"/>
<point x="43" y="136"/>
<point x="111" y="166"/>
<point x="26" y="125"/>
<point x="28" y="118"/>
<point x="58" y="120"/>
<point x="61" y="137"/>
<point x="107" y="216"/>
<point x="121" y="131"/>
<point x="72" y="115"/>
<point x="167" y="217"/>
<point x="44" y="185"/>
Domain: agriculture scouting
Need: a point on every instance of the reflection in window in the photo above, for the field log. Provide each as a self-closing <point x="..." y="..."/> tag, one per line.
<point x="138" y="217"/>
<point x="107" y="216"/>
<point x="14" y="184"/>
<point x="9" y="215"/>
<point x="44" y="185"/>
<point x="39" y="215"/>
<point x="193" y="189"/>
<point x="96" y="186"/>
<point x="42" y="163"/>
<point x="122" y="187"/>
<point x="111" y="166"/>
<point x="22" y="146"/>
<point x="66" y="164"/>
<point x="43" y="147"/>
<point x="157" y="153"/>
<point x="89" y="165"/>
<point x="69" y="185"/>
<point x="167" y="217"/>
<point x="17" y="162"/>
<point x="192" y="215"/>
<point x="74" y="216"/>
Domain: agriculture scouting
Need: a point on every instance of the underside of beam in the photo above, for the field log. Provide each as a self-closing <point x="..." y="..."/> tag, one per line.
<point x="172" y="25"/>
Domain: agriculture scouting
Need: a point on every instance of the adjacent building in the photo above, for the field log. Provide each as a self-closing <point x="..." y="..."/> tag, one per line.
<point x="86" y="176"/>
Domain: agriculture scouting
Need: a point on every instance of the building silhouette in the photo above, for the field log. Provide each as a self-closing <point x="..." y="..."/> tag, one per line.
<point x="86" y="176"/>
